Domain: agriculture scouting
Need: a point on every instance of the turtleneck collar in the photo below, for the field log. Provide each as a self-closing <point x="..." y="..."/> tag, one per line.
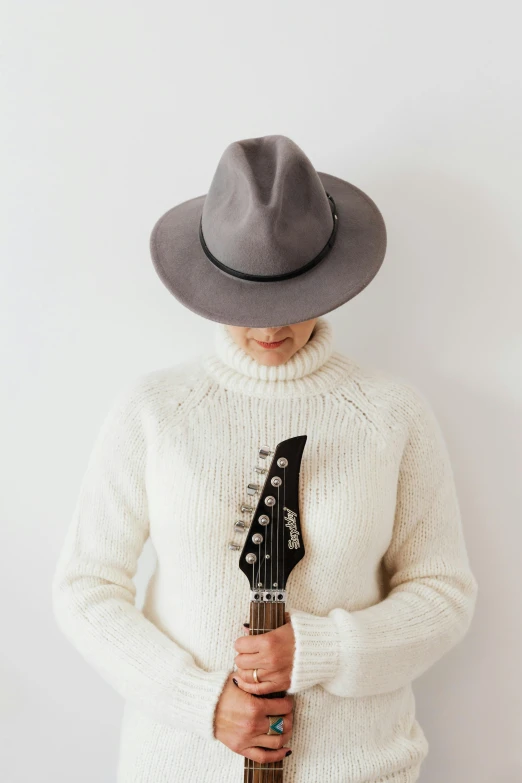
<point x="313" y="369"/>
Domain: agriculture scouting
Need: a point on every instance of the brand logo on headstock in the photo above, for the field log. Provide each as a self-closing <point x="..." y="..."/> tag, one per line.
<point x="290" y="518"/>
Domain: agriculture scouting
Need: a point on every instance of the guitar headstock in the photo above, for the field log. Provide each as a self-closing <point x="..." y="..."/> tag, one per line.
<point x="274" y="543"/>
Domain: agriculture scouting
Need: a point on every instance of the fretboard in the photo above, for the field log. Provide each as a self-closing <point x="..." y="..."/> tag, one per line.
<point x="265" y="616"/>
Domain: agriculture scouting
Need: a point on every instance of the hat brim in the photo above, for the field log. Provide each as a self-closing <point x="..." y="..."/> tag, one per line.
<point x="203" y="288"/>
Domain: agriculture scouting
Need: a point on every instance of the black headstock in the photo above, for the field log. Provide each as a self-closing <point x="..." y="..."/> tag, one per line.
<point x="276" y="520"/>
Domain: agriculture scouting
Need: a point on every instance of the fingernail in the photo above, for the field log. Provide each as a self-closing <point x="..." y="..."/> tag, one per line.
<point x="235" y="681"/>
<point x="288" y="753"/>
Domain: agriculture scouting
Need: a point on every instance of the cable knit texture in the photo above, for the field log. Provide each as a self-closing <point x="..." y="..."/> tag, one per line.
<point x="384" y="591"/>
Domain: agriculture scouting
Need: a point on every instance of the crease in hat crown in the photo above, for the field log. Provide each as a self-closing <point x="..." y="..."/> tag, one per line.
<point x="266" y="210"/>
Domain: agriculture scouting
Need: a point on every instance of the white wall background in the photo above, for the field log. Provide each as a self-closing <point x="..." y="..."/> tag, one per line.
<point x="112" y="112"/>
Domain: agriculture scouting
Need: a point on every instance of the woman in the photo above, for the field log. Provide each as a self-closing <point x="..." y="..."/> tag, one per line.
<point x="385" y="588"/>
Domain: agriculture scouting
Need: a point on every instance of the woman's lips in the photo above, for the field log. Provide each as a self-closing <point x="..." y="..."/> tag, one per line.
<point x="270" y="345"/>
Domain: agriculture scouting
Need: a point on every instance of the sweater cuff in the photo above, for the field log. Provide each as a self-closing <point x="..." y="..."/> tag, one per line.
<point x="198" y="695"/>
<point x="317" y="650"/>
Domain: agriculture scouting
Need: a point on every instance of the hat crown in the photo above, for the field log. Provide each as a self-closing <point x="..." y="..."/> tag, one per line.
<point x="266" y="211"/>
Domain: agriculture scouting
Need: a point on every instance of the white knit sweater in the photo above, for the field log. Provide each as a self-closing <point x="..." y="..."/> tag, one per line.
<point x="384" y="590"/>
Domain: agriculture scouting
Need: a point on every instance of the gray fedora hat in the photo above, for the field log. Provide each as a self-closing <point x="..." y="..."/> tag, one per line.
<point x="273" y="242"/>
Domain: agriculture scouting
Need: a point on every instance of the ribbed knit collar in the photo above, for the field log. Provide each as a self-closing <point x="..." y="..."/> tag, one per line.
<point x="312" y="369"/>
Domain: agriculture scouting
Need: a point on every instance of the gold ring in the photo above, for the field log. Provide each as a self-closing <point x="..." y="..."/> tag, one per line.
<point x="254" y="674"/>
<point x="275" y="724"/>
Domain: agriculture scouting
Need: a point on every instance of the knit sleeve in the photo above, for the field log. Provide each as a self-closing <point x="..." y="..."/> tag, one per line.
<point x="93" y="592"/>
<point x="432" y="591"/>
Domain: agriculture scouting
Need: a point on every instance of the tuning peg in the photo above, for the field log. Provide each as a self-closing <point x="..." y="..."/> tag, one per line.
<point x="253" y="489"/>
<point x="232" y="545"/>
<point x="257" y="469"/>
<point x="264" y="452"/>
<point x="240" y="525"/>
<point x="244" y="508"/>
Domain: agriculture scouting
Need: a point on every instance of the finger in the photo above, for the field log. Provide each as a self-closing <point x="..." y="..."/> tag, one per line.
<point x="263" y="756"/>
<point x="279" y="705"/>
<point x="258" y="688"/>
<point x="271" y="741"/>
<point x="252" y="660"/>
<point x="247" y="675"/>
<point x="248" y="644"/>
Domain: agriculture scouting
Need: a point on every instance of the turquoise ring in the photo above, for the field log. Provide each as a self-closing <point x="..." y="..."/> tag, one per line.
<point x="275" y="724"/>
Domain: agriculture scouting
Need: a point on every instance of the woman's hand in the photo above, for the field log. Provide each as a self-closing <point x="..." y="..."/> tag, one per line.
<point x="272" y="654"/>
<point x="241" y="723"/>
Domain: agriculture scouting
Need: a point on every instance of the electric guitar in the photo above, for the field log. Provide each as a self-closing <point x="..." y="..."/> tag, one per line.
<point x="273" y="547"/>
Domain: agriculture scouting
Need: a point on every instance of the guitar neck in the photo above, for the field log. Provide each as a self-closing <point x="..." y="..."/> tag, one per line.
<point x="265" y="616"/>
<point x="275" y="543"/>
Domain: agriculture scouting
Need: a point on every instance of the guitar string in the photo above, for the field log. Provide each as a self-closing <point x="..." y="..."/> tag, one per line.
<point x="273" y="765"/>
<point x="250" y="778"/>
<point x="277" y="585"/>
<point x="271" y="587"/>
